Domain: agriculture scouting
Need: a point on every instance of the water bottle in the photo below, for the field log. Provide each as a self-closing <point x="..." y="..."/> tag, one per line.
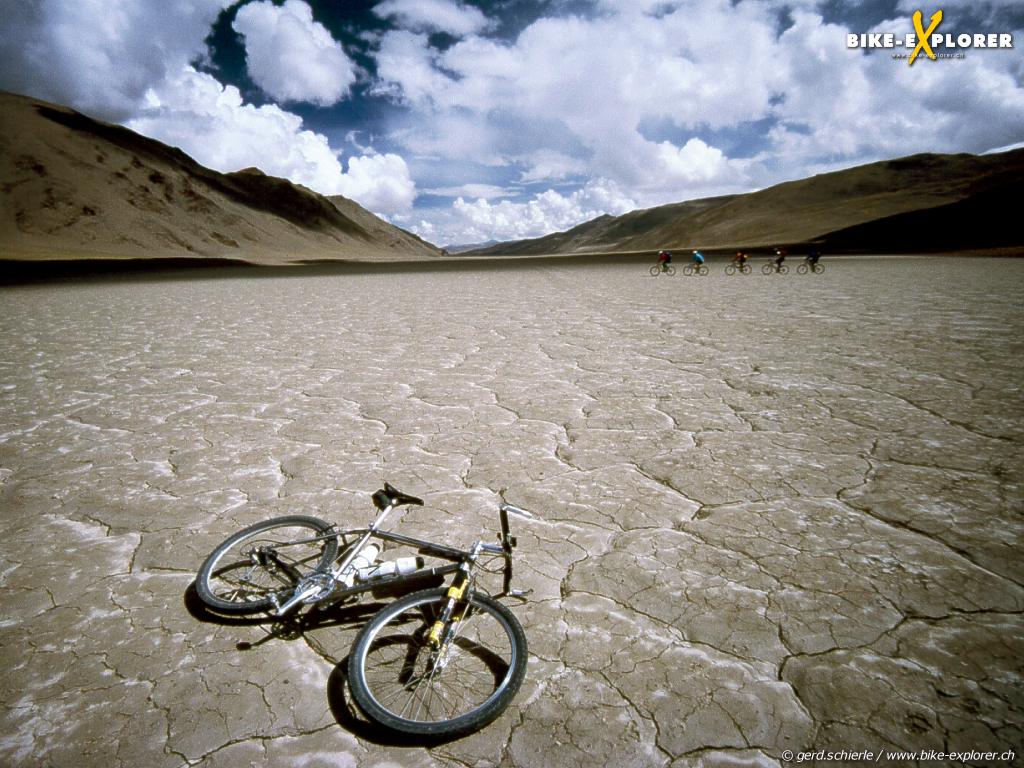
<point x="403" y="566"/>
<point x="362" y="562"/>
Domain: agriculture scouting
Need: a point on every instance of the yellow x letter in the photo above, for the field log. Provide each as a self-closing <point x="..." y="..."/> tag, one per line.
<point x="923" y="34"/>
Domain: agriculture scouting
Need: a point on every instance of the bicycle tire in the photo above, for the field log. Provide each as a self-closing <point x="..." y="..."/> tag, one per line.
<point x="655" y="270"/>
<point x="229" y="582"/>
<point x="688" y="270"/>
<point x="730" y="270"/>
<point x="767" y="269"/>
<point x="746" y="269"/>
<point x="802" y="269"/>
<point x="391" y="649"/>
<point x="783" y="269"/>
<point x="818" y="269"/>
<point x="702" y="269"/>
<point x="670" y="270"/>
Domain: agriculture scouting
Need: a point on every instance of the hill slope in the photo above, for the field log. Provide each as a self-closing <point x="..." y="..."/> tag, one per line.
<point x="961" y="198"/>
<point x="73" y="187"/>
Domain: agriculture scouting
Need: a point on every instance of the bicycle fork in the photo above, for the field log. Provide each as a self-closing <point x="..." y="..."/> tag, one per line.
<point x="450" y="618"/>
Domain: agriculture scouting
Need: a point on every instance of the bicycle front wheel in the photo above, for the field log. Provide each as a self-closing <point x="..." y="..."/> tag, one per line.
<point x="802" y="269"/>
<point x="767" y="269"/>
<point x="399" y="681"/>
<point x="655" y="270"/>
<point x="242" y="574"/>
<point x="730" y="270"/>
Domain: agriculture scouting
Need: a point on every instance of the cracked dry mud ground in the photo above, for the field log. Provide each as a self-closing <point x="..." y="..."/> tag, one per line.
<point x="778" y="512"/>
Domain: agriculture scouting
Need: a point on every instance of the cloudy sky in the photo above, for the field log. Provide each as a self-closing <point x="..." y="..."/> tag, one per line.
<point x="471" y="120"/>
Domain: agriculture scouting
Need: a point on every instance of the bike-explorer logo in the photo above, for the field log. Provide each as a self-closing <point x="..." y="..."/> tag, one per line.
<point x="926" y="39"/>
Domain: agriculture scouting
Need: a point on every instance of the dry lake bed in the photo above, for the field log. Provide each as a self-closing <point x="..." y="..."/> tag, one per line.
<point x="776" y="515"/>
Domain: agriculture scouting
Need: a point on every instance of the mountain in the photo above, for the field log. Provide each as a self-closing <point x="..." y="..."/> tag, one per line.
<point x="453" y="249"/>
<point x="76" y="188"/>
<point x="925" y="202"/>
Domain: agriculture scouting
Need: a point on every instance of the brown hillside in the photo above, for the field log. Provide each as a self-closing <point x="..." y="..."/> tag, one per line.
<point x="838" y="209"/>
<point x="73" y="187"/>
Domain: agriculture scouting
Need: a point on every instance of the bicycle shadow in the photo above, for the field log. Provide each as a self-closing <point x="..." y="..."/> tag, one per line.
<point x="292" y="627"/>
<point x="349" y="617"/>
<point x="348" y="716"/>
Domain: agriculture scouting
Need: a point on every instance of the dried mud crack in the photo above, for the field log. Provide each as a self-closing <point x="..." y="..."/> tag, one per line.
<point x="773" y="514"/>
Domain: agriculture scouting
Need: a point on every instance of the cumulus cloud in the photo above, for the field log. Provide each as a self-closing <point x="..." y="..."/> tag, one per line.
<point x="550" y="211"/>
<point x="211" y="123"/>
<point x="677" y="100"/>
<point x="380" y="183"/>
<point x="434" y="16"/>
<point x="600" y="80"/>
<point x="864" y="106"/>
<point x="100" y="56"/>
<point x="291" y="56"/>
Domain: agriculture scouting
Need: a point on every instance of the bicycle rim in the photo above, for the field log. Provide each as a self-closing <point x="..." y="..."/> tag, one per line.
<point x="242" y="574"/>
<point x="400" y="682"/>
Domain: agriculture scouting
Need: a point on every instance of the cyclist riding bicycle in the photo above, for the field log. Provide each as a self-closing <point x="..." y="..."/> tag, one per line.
<point x="780" y="256"/>
<point x="664" y="259"/>
<point x="740" y="258"/>
<point x="812" y="256"/>
<point x="698" y="258"/>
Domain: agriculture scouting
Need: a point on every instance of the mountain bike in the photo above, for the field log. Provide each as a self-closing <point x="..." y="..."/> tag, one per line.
<point x="658" y="270"/>
<point x="440" y="662"/>
<point x="815" y="268"/>
<point x="771" y="267"/>
<point x="695" y="269"/>
<point x="732" y="269"/>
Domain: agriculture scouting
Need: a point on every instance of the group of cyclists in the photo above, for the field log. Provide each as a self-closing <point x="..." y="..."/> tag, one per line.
<point x="740" y="259"/>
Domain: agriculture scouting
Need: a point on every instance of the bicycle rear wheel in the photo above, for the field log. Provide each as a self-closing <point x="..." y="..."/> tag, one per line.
<point x="400" y="682"/>
<point x="818" y="269"/>
<point x="265" y="559"/>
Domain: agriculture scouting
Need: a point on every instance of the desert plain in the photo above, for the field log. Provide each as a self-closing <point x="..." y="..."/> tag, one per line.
<point x="774" y="514"/>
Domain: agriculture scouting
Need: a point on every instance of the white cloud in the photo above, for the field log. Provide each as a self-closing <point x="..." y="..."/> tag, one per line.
<point x="291" y="56"/>
<point x="471" y="190"/>
<point x="100" y="56"/>
<point x="211" y="123"/>
<point x="599" y="80"/>
<point x="550" y="211"/>
<point x="551" y="165"/>
<point x="844" y="103"/>
<point x="434" y="16"/>
<point x="649" y="95"/>
<point x="406" y="69"/>
<point x="380" y="183"/>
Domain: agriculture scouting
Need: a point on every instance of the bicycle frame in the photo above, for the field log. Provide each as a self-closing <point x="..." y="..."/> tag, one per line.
<point x="322" y="587"/>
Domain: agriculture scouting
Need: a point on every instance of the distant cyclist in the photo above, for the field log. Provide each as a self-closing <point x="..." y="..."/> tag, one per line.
<point x="664" y="259"/>
<point x="812" y="257"/>
<point x="698" y="258"/>
<point x="740" y="259"/>
<point x="780" y="256"/>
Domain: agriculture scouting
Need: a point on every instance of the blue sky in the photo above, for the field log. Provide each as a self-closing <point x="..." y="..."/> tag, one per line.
<point x="469" y="121"/>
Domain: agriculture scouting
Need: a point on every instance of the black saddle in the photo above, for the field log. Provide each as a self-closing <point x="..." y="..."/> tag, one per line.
<point x="392" y="497"/>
